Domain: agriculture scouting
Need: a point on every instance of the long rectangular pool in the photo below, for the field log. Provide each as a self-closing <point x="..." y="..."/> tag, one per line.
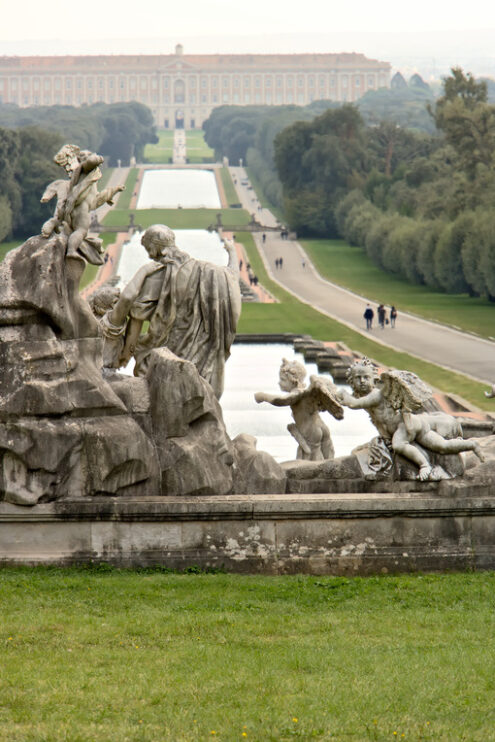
<point x="172" y="189"/>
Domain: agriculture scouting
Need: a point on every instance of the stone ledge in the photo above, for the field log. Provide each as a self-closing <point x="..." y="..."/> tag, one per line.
<point x="245" y="507"/>
<point x="267" y="534"/>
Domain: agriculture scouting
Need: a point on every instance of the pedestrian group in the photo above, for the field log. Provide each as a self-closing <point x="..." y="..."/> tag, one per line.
<point x="383" y="320"/>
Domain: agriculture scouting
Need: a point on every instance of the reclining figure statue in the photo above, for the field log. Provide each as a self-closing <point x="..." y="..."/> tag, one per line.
<point x="397" y="403"/>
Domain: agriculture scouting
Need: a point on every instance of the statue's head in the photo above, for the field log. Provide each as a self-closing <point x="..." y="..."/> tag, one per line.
<point x="68" y="157"/>
<point x="362" y="377"/>
<point x="103" y="299"/>
<point x="157" y="239"/>
<point x="291" y="375"/>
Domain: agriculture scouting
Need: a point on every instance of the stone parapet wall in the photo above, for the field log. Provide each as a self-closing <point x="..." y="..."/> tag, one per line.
<point x="270" y="534"/>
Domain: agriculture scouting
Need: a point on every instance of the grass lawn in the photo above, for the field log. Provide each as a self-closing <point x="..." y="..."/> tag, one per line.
<point x="228" y="186"/>
<point x="179" y="218"/>
<point x="106" y="174"/>
<point x="149" y="656"/>
<point x="124" y="201"/>
<point x="163" y="150"/>
<point x="197" y="148"/>
<point x="290" y="315"/>
<point x="351" y="267"/>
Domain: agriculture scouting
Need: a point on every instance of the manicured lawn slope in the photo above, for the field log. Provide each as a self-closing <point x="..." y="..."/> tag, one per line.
<point x="120" y="656"/>
<point x="351" y="267"/>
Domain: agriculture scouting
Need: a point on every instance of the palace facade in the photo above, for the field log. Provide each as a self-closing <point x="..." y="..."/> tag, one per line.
<point x="182" y="89"/>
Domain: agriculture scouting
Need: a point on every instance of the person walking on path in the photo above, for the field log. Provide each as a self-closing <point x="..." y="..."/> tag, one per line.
<point x="393" y="316"/>
<point x="381" y="316"/>
<point x="280" y="262"/>
<point x="263" y="237"/>
<point x="368" y="316"/>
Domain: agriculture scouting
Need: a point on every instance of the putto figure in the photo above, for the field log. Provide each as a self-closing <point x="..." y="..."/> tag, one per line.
<point x="397" y="404"/>
<point x="192" y="307"/>
<point x="308" y="429"/>
<point x="76" y="199"/>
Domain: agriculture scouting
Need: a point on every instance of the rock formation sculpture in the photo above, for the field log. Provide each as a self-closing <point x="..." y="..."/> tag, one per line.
<point x="308" y="429"/>
<point x="68" y="426"/>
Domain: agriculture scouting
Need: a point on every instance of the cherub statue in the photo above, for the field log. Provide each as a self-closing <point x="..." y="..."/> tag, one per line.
<point x="76" y="198"/>
<point x="311" y="433"/>
<point x="397" y="404"/>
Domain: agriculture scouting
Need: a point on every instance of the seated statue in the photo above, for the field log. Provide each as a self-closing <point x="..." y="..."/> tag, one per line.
<point x="309" y="430"/>
<point x="397" y="405"/>
<point x="192" y="308"/>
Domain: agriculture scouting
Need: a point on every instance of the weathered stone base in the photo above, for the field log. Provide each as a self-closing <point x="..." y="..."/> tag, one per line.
<point x="354" y="534"/>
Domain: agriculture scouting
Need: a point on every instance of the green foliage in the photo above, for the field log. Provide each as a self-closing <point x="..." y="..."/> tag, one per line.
<point x="115" y="130"/>
<point x="27" y="168"/>
<point x="318" y="162"/>
<point x="405" y="107"/>
<point x="467" y="120"/>
<point x="5" y="218"/>
<point x="447" y="263"/>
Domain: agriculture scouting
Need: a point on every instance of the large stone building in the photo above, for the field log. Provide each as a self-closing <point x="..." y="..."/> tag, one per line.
<point x="182" y="89"/>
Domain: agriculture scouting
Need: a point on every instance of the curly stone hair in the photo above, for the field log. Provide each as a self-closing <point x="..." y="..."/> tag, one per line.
<point x="293" y="370"/>
<point x="359" y="364"/>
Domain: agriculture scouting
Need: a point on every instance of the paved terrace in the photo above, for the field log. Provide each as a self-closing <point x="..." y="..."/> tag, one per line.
<point x="439" y="344"/>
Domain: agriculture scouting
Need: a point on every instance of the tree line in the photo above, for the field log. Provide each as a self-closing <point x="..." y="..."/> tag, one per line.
<point x="419" y="199"/>
<point x="30" y="137"/>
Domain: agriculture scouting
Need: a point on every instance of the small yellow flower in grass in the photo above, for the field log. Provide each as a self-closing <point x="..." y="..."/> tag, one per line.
<point x="136" y="646"/>
<point x="212" y="731"/>
<point x="10" y="638"/>
<point x="295" y="719"/>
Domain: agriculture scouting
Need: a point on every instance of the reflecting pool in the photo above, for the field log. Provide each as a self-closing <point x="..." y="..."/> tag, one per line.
<point x="254" y="368"/>
<point x="170" y="189"/>
<point x="199" y="243"/>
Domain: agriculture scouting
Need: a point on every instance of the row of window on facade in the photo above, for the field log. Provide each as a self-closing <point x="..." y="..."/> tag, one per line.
<point x="226" y="82"/>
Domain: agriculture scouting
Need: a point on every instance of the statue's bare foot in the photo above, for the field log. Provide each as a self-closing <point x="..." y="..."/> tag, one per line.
<point x="424" y="472"/>
<point x="479" y="453"/>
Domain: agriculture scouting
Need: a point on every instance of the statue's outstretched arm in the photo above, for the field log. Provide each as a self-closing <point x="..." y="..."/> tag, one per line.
<point x="276" y="400"/>
<point x="359" y="403"/>
<point x="233" y="263"/>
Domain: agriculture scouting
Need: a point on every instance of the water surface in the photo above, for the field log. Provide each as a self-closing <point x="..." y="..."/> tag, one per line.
<point x="170" y="189"/>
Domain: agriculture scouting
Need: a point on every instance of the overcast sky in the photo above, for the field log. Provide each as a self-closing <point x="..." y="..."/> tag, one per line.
<point x="103" y="19"/>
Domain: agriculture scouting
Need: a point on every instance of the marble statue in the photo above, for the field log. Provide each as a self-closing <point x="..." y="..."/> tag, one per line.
<point x="397" y="404"/>
<point x="308" y="429"/>
<point x="192" y="308"/>
<point x="76" y="199"/>
<point x="491" y="393"/>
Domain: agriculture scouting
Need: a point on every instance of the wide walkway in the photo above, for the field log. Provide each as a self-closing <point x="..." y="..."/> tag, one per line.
<point x="433" y="342"/>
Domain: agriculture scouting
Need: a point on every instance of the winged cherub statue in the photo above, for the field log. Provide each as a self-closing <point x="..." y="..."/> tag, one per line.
<point x="309" y="430"/>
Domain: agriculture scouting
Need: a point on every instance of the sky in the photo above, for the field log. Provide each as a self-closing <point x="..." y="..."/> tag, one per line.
<point x="428" y="36"/>
<point x="97" y="19"/>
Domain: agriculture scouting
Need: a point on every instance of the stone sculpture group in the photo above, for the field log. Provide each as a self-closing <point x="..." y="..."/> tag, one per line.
<point x="73" y="426"/>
